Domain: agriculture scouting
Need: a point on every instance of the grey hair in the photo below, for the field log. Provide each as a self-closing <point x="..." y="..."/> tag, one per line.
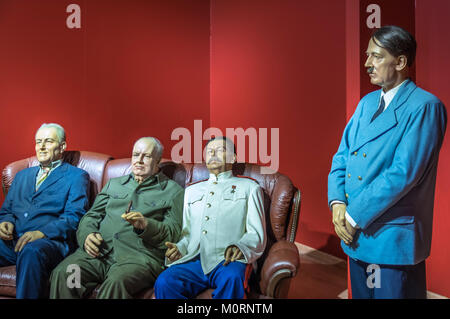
<point x="60" y="132"/>
<point x="159" y="148"/>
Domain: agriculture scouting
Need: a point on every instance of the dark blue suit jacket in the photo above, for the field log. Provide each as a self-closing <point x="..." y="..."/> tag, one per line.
<point x="55" y="209"/>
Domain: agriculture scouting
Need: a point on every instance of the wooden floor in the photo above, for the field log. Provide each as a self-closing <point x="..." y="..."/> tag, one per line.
<point x="321" y="276"/>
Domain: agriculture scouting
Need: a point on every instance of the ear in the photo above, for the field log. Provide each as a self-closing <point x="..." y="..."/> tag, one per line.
<point x="402" y="63"/>
<point x="63" y="146"/>
<point x="233" y="159"/>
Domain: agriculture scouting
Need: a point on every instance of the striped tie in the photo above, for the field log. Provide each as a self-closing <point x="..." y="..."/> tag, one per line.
<point x="43" y="177"/>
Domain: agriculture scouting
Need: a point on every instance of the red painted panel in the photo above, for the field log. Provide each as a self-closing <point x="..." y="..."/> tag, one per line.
<point x="433" y="67"/>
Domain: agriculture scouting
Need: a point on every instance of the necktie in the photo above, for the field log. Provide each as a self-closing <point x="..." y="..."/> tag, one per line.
<point x="379" y="111"/>
<point x="43" y="177"/>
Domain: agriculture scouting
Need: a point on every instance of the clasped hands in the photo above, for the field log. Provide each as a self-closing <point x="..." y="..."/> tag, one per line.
<point x="94" y="240"/>
<point x="232" y="253"/>
<point x="342" y="227"/>
<point x="6" y="233"/>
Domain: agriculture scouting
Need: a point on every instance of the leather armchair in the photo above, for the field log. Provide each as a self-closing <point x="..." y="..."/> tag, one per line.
<point x="280" y="261"/>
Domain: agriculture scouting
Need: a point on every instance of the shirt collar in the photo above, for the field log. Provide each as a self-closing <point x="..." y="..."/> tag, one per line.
<point x="158" y="177"/>
<point x="389" y="95"/>
<point x="53" y="165"/>
<point x="222" y="176"/>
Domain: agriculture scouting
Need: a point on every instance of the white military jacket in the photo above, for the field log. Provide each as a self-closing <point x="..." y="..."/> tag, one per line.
<point x="222" y="211"/>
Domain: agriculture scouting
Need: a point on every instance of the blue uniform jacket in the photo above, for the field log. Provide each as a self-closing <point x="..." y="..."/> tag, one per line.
<point x="55" y="209"/>
<point x="385" y="171"/>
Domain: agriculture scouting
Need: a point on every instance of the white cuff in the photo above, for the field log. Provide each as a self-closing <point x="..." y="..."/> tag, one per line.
<point x="350" y="220"/>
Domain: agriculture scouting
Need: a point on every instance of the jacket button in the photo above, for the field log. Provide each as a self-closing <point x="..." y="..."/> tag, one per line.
<point x="360" y="178"/>
<point x="355" y="153"/>
<point x="346" y="195"/>
<point x="206" y="218"/>
<point x="116" y="236"/>
<point x="212" y="193"/>
<point x="349" y="175"/>
<point x="214" y="182"/>
<point x="204" y="232"/>
<point x="364" y="154"/>
<point x="208" y="205"/>
<point x="26" y="214"/>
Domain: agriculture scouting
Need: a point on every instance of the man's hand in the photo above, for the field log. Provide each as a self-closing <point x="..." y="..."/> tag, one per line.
<point x="92" y="243"/>
<point x="340" y="221"/>
<point x="136" y="219"/>
<point x="232" y="253"/>
<point x="28" y="237"/>
<point x="350" y="229"/>
<point x="6" y="230"/>
<point x="172" y="253"/>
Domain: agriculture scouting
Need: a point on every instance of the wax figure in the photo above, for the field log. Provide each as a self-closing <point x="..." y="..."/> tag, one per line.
<point x="40" y="214"/>
<point x="382" y="180"/>
<point x="122" y="236"/>
<point x="223" y="231"/>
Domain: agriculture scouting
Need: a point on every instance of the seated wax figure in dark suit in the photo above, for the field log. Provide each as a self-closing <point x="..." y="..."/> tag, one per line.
<point x="40" y="214"/>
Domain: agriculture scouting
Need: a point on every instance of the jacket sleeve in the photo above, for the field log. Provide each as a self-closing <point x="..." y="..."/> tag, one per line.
<point x="75" y="207"/>
<point x="414" y="156"/>
<point x="158" y="232"/>
<point x="90" y="222"/>
<point x="6" y="213"/>
<point x="253" y="242"/>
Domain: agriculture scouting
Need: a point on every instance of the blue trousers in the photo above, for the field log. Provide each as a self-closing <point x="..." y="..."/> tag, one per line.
<point x="187" y="280"/>
<point x="34" y="263"/>
<point x="371" y="281"/>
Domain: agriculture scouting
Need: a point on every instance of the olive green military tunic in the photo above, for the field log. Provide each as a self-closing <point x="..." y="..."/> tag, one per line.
<point x="129" y="259"/>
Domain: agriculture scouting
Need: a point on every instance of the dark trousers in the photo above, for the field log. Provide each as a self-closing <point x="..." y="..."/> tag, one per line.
<point x="187" y="280"/>
<point x="34" y="263"/>
<point x="372" y="281"/>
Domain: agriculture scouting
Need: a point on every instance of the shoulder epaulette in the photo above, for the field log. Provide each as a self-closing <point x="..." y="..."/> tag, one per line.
<point x="242" y="176"/>
<point x="193" y="183"/>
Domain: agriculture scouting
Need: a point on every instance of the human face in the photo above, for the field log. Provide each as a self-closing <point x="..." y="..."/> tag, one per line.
<point x="142" y="161"/>
<point x="48" y="148"/>
<point x="383" y="68"/>
<point x="218" y="158"/>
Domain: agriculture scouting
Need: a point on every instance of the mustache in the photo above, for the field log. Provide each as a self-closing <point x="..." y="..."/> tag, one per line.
<point x="370" y="70"/>
<point x="214" y="159"/>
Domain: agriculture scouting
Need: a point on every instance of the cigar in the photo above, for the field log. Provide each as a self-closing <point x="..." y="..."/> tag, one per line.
<point x="128" y="209"/>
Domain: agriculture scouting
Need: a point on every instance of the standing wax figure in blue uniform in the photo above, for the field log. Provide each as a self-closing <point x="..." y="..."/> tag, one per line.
<point x="223" y="231"/>
<point x="40" y="214"/>
<point x="382" y="180"/>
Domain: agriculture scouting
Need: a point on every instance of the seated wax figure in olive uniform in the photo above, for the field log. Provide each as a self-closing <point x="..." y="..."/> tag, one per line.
<point x="122" y="236"/>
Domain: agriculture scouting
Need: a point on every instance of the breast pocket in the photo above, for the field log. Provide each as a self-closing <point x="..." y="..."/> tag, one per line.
<point x="195" y="200"/>
<point x="155" y="209"/>
<point x="118" y="203"/>
<point x="234" y="196"/>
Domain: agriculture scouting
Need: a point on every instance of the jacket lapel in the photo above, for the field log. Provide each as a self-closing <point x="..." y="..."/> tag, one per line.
<point x="386" y="120"/>
<point x="58" y="173"/>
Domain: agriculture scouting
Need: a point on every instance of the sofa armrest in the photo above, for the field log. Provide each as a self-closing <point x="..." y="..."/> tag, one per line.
<point x="281" y="263"/>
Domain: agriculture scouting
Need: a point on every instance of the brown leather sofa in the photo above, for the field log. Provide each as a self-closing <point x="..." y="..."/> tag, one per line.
<point x="280" y="261"/>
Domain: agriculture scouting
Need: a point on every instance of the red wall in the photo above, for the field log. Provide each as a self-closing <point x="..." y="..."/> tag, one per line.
<point x="433" y="68"/>
<point x="281" y="64"/>
<point x="131" y="70"/>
